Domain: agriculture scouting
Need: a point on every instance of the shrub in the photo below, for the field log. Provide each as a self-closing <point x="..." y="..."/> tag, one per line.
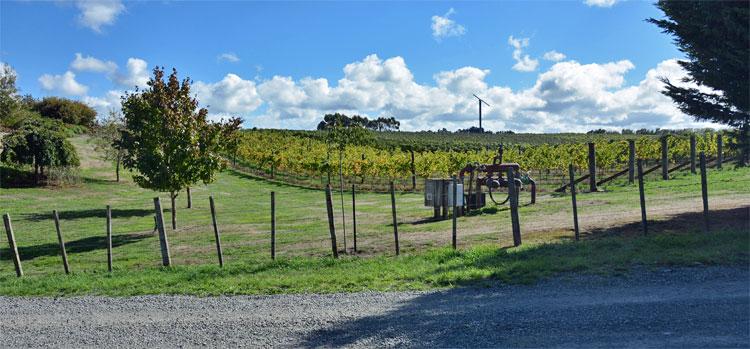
<point x="66" y="110"/>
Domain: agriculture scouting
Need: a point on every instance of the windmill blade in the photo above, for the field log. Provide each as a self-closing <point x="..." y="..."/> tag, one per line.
<point x="481" y="100"/>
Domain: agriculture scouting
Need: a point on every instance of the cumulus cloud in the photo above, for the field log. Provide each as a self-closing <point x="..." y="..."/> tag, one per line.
<point x="443" y="26"/>
<point x="106" y="103"/>
<point x="97" y="13"/>
<point x="65" y="84"/>
<point x="524" y="63"/>
<point x="569" y="96"/>
<point x="600" y="3"/>
<point x="553" y="56"/>
<point x="231" y="95"/>
<point x="91" y="64"/>
<point x="228" y="57"/>
<point x="137" y="74"/>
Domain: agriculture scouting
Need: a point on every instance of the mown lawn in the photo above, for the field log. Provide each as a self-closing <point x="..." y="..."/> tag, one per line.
<point x="611" y="243"/>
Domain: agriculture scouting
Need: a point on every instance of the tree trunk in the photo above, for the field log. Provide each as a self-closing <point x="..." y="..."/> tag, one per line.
<point x="117" y="167"/>
<point x="189" y="198"/>
<point x="172" y="196"/>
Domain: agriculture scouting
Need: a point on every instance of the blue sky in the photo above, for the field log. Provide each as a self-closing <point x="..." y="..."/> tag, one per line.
<point x="284" y="64"/>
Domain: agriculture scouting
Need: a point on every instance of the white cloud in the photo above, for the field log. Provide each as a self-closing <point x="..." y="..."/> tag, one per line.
<point x="97" y="13"/>
<point x="103" y="105"/>
<point x="231" y="95"/>
<point x="65" y="84"/>
<point x="443" y="26"/>
<point x="569" y="96"/>
<point x="228" y="57"/>
<point x="600" y="3"/>
<point x="92" y="64"/>
<point x="524" y="63"/>
<point x="553" y="56"/>
<point x="137" y="74"/>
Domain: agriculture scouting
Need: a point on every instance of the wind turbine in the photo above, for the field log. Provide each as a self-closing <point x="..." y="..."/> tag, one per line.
<point x="480" y="111"/>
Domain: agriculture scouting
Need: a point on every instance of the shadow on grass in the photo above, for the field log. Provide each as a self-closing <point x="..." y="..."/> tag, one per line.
<point x="270" y="182"/>
<point x="518" y="317"/>
<point x="76" y="246"/>
<point x="93" y="213"/>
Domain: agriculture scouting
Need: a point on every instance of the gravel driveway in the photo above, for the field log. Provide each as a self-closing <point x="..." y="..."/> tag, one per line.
<point x="698" y="307"/>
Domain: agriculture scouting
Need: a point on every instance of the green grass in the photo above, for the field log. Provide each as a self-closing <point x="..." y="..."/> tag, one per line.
<point x="611" y="240"/>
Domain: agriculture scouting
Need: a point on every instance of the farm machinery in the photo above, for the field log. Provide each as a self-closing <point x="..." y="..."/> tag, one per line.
<point x="483" y="180"/>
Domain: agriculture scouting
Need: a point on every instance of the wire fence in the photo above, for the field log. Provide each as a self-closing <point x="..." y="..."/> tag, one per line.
<point x="244" y="221"/>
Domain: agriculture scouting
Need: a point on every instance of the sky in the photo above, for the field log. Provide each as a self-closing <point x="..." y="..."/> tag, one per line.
<point x="542" y="66"/>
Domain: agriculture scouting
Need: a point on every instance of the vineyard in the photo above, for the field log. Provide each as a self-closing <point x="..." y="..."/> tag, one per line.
<point x="389" y="156"/>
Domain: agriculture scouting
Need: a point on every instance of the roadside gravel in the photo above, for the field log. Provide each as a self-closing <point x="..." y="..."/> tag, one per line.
<point x="686" y="307"/>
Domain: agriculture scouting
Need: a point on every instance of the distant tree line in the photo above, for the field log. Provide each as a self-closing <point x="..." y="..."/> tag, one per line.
<point x="379" y="124"/>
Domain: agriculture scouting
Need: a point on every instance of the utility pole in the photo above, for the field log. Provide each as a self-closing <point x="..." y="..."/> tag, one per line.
<point x="480" y="110"/>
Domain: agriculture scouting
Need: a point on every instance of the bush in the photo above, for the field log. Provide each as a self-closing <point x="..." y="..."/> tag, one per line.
<point x="66" y="110"/>
<point x="35" y="143"/>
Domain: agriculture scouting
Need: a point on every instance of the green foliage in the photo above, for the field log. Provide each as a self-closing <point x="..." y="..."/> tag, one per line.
<point x="66" y="110"/>
<point x="38" y="144"/>
<point x="715" y="37"/>
<point x="167" y="139"/>
<point x="379" y="124"/>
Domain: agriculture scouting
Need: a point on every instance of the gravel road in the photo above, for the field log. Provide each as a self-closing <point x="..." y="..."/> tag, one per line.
<point x="688" y="307"/>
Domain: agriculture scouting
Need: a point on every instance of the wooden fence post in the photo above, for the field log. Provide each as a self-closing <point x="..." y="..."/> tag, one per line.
<point x="704" y="191"/>
<point x="109" y="238"/>
<point x="664" y="158"/>
<point x="454" y="212"/>
<point x="189" y="198"/>
<point x="217" y="236"/>
<point x="692" y="154"/>
<point x="273" y="225"/>
<point x="631" y="161"/>
<point x="500" y="153"/>
<point x="12" y="245"/>
<point x="61" y="241"/>
<point x="354" y="217"/>
<point x="592" y="167"/>
<point x="413" y="171"/>
<point x="331" y="227"/>
<point x="395" y="222"/>
<point x="166" y="260"/>
<point x="571" y="173"/>
<point x="642" y="195"/>
<point x="513" y="192"/>
<point x="719" y="150"/>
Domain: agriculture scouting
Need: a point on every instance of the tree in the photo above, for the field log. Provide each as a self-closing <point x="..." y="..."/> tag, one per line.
<point x="8" y="91"/>
<point x="39" y="145"/>
<point x="379" y="124"/>
<point x="167" y="140"/>
<point x="342" y="133"/>
<point x="106" y="135"/>
<point x="715" y="37"/>
<point x="66" y="110"/>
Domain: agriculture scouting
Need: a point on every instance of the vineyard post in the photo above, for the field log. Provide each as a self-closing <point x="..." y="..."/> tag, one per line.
<point x="60" y="240"/>
<point x="455" y="200"/>
<point x="413" y="171"/>
<point x="395" y="223"/>
<point x="500" y="153"/>
<point x="109" y="238"/>
<point x="217" y="236"/>
<point x="331" y="227"/>
<point x="719" y="150"/>
<point x="573" y="199"/>
<point x="664" y="158"/>
<point x="592" y="167"/>
<point x="514" y="207"/>
<point x="631" y="161"/>
<point x="642" y="196"/>
<point x="12" y="245"/>
<point x="166" y="260"/>
<point x="692" y="154"/>
<point x="704" y="191"/>
<point x="354" y="217"/>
